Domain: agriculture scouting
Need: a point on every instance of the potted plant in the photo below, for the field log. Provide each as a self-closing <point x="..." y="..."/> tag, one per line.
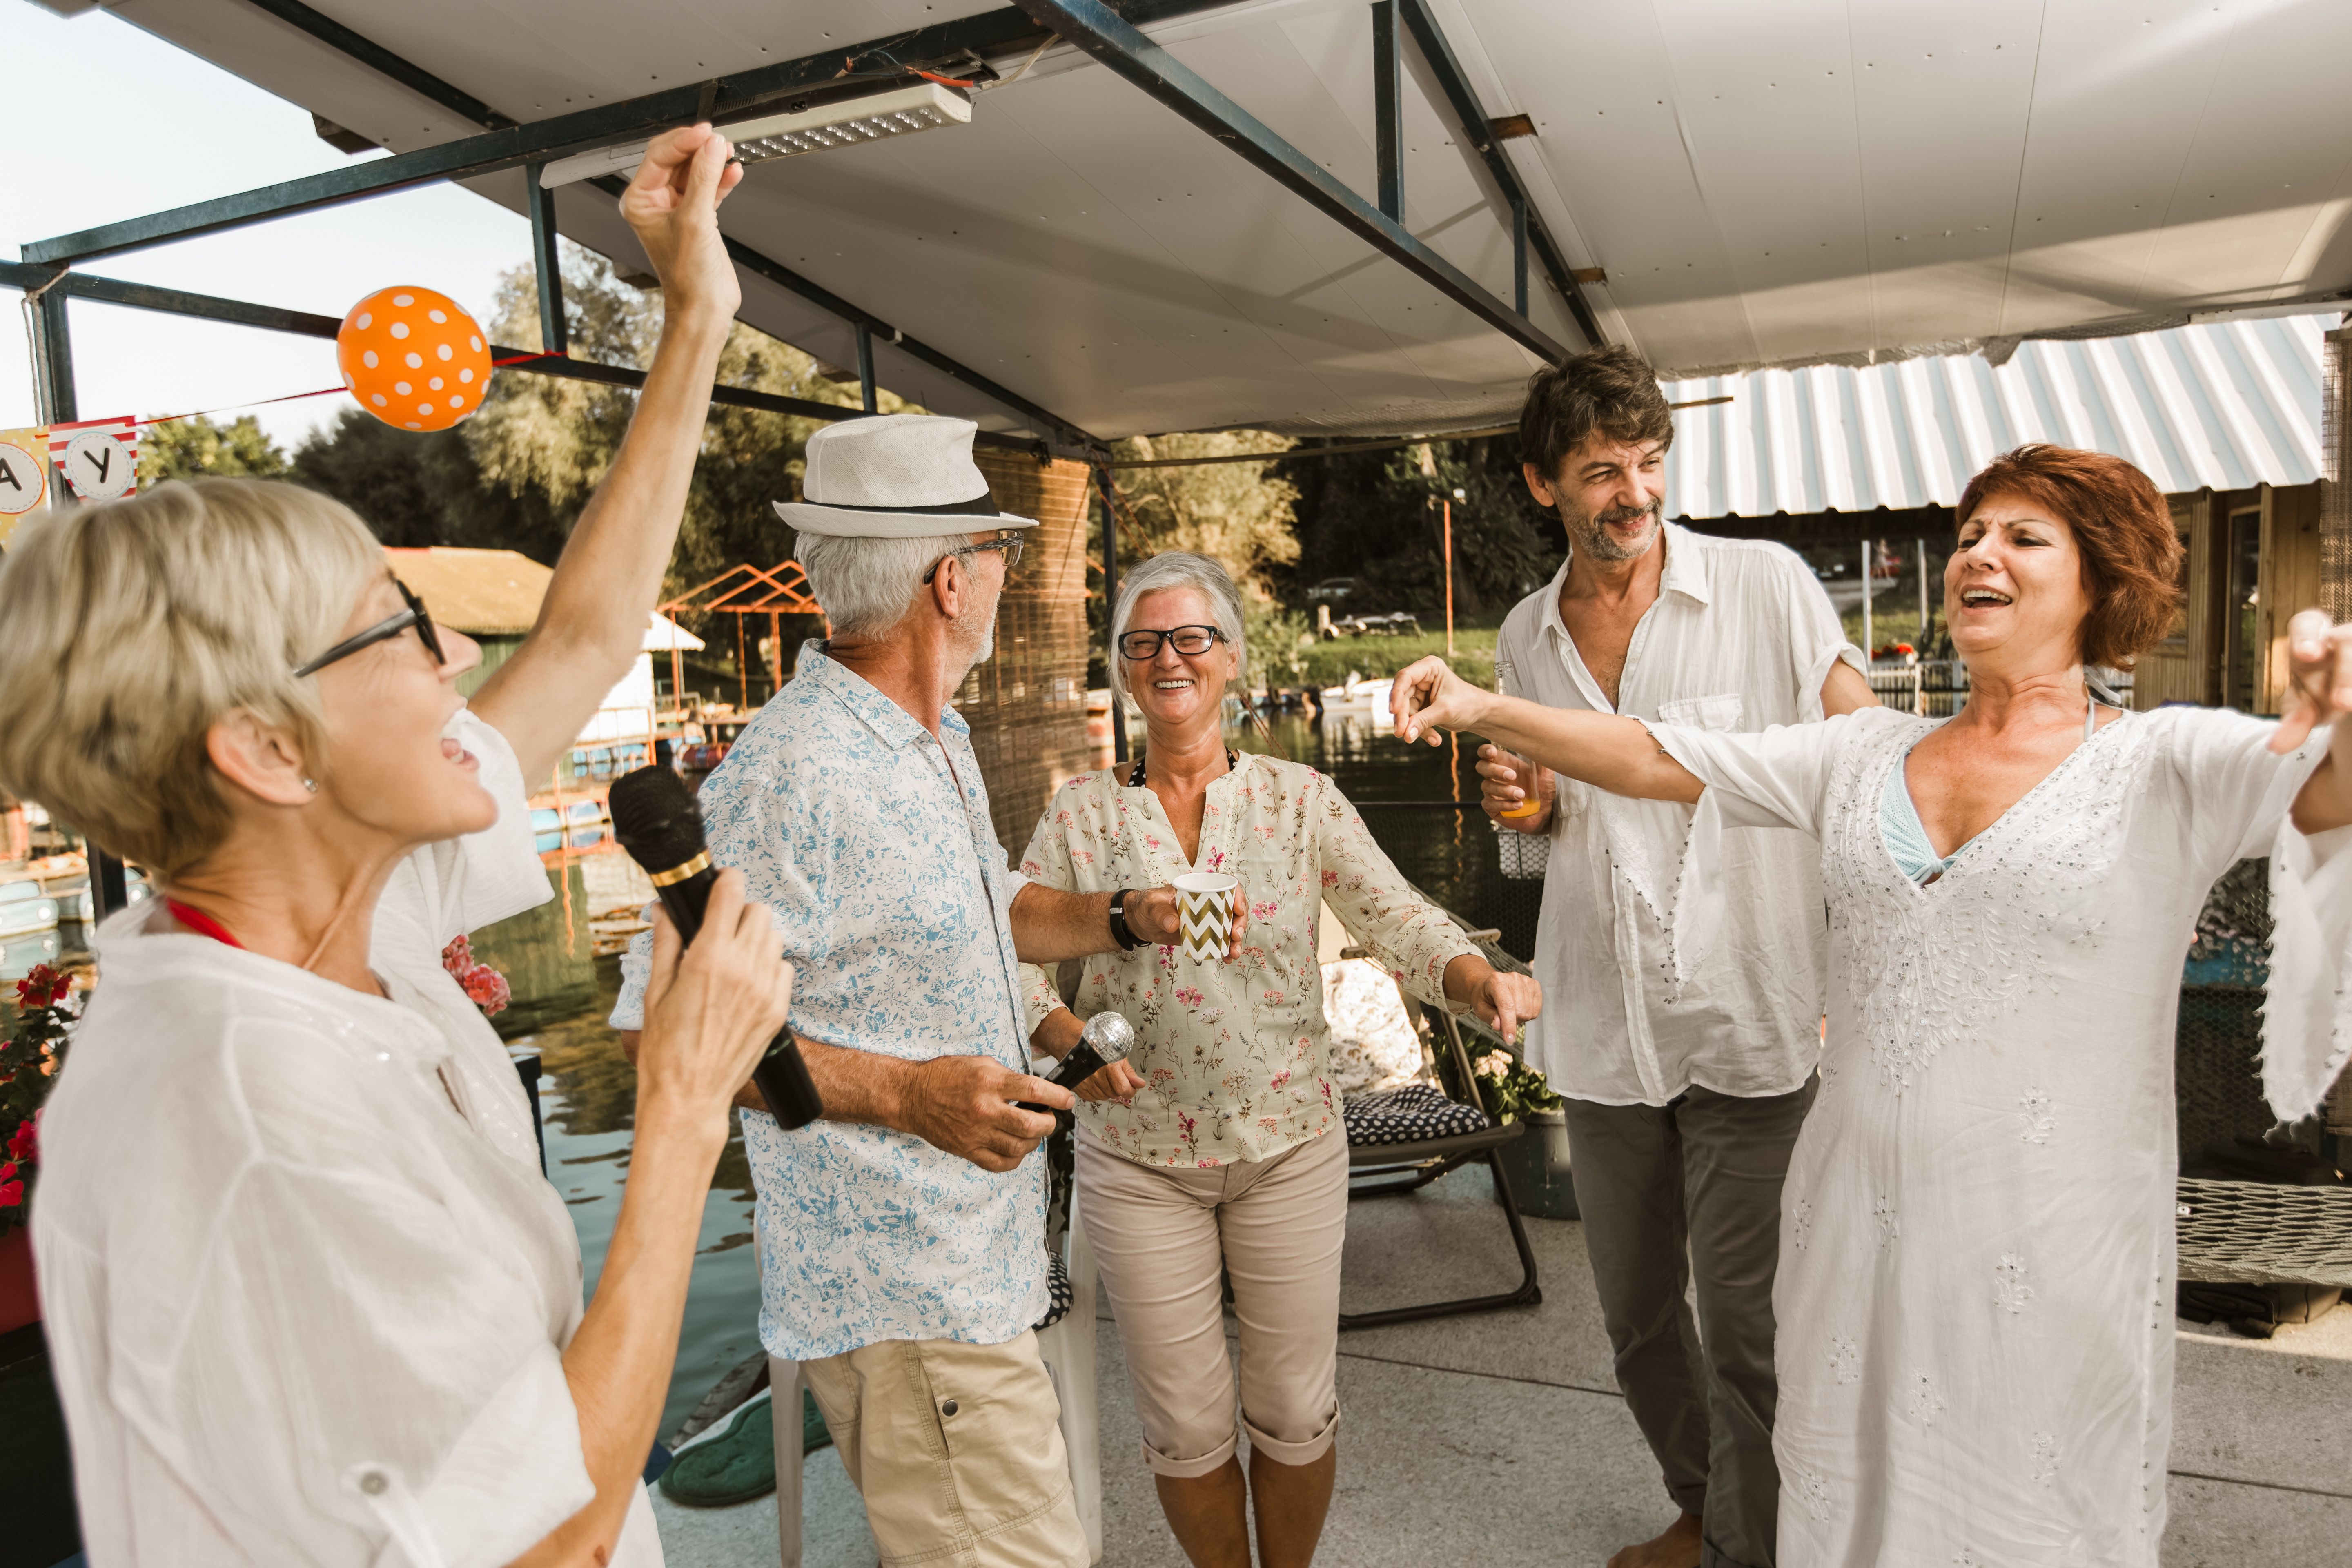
<point x="30" y="1059"/>
<point x="1535" y="1162"/>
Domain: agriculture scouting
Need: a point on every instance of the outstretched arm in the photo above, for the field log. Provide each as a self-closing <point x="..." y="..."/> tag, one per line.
<point x="1603" y="750"/>
<point x="2319" y="691"/>
<point x="592" y="625"/>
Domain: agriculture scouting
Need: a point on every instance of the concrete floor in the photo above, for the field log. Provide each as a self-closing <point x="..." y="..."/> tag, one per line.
<point x="1501" y="1436"/>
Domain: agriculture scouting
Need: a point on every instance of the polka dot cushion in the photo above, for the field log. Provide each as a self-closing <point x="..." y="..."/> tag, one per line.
<point x="1057" y="1283"/>
<point x="1410" y="1113"/>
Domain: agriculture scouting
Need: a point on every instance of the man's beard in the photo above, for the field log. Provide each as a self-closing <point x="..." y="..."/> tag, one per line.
<point x="974" y="632"/>
<point x="1588" y="530"/>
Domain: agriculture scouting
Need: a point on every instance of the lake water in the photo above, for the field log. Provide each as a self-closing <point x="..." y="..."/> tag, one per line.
<point x="588" y="1095"/>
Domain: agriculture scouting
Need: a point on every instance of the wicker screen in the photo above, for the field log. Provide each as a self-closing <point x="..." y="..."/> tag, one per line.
<point x="2335" y="477"/>
<point x="1026" y="703"/>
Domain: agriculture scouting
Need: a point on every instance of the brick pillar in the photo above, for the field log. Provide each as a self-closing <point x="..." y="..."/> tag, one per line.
<point x="1026" y="704"/>
<point x="2336" y="474"/>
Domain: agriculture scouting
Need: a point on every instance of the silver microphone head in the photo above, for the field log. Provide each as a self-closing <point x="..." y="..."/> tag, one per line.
<point x="1111" y="1035"/>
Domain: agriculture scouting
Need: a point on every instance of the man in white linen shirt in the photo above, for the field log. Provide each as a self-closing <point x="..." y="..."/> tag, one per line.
<point x="902" y="1235"/>
<point x="1685" y="1056"/>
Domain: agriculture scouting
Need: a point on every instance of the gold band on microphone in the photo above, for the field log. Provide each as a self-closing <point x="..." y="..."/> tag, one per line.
<point x="680" y="873"/>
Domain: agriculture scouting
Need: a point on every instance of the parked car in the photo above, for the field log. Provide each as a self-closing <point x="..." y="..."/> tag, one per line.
<point x="1397" y="623"/>
<point x="1335" y="590"/>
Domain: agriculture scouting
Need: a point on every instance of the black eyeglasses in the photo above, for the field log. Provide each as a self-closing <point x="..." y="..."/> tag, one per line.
<point x="1140" y="646"/>
<point x="384" y="631"/>
<point x="1010" y="545"/>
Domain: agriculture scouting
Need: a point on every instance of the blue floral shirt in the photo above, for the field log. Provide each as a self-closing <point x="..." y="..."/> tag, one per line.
<point x="887" y="882"/>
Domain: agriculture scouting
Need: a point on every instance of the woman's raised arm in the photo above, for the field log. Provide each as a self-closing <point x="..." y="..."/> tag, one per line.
<point x="1603" y="750"/>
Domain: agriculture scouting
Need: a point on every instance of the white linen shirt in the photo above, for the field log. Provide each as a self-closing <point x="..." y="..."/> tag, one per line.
<point x="883" y="872"/>
<point x="1741" y="637"/>
<point x="305" y="1294"/>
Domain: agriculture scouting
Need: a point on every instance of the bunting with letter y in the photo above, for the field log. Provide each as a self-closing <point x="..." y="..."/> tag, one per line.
<point x="99" y="458"/>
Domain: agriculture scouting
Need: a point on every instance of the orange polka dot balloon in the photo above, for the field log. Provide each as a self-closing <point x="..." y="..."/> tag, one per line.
<point x="413" y="358"/>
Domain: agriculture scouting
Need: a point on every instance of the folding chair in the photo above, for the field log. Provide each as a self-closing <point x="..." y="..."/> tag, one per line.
<point x="1403" y="1139"/>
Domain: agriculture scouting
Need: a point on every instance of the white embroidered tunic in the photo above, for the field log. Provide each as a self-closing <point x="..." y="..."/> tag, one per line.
<point x="1976" y="1260"/>
<point x="1237" y="1055"/>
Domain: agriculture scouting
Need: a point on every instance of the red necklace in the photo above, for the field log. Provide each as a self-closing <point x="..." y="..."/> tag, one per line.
<point x="200" y="922"/>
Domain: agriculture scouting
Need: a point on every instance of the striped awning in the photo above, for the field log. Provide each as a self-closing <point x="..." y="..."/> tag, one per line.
<point x="2226" y="404"/>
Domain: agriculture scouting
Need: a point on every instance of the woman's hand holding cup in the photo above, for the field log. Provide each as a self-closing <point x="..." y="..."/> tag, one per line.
<point x="1156" y="915"/>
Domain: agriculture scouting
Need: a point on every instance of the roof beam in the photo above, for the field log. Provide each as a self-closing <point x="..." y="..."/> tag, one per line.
<point x="1102" y="32"/>
<point x="303" y="324"/>
<point x="1472" y="126"/>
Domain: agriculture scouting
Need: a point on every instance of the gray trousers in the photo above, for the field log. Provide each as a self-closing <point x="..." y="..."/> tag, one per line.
<point x="1669" y="1194"/>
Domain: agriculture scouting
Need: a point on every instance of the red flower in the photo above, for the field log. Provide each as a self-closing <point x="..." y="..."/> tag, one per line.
<point x="11" y="1194"/>
<point x="484" y="985"/>
<point x="7" y="1170"/>
<point x="42" y="988"/>
<point x="24" y="1143"/>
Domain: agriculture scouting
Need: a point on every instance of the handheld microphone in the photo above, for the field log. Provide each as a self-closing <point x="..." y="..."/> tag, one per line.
<point x="1108" y="1038"/>
<point x="656" y="819"/>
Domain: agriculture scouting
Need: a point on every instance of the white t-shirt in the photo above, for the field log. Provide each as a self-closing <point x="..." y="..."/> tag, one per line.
<point x="307" y="1297"/>
<point x="1741" y="637"/>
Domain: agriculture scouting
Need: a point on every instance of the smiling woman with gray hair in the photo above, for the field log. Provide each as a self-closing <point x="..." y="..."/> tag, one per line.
<point x="1216" y="1147"/>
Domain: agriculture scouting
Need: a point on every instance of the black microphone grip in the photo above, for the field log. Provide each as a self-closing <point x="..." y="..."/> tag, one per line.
<point x="782" y="1074"/>
<point x="1081" y="1064"/>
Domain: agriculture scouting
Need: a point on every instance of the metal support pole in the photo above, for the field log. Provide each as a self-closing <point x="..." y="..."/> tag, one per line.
<point x="1388" y="114"/>
<point x="1519" y="254"/>
<point x="1919" y="555"/>
<point x="546" y="262"/>
<point x="1110" y="608"/>
<point x="871" y="393"/>
<point x="1869" y="564"/>
<point x="53" y="362"/>
<point x="1449" y="579"/>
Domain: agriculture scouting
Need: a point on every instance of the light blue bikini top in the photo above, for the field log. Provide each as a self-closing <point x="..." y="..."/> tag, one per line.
<point x="1906" y="835"/>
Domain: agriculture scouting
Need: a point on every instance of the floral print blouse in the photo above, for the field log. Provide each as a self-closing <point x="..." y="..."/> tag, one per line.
<point x="1235" y="1056"/>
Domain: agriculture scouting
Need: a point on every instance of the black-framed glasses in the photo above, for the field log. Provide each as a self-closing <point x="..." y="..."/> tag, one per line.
<point x="1140" y="646"/>
<point x="414" y="615"/>
<point x="1010" y="545"/>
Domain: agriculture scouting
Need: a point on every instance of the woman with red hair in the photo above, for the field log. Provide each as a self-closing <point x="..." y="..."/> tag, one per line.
<point x="1975" y="1292"/>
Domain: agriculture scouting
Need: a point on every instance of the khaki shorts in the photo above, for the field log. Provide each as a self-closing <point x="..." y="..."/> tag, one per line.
<point x="957" y="1449"/>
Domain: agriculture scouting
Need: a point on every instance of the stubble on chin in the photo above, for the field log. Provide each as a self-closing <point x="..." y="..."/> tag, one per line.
<point x="1591" y="535"/>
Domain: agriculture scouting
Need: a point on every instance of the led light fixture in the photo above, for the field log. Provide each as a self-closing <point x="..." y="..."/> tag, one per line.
<point x="842" y="124"/>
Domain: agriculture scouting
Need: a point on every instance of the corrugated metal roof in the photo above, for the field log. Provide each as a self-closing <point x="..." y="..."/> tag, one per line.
<point x="2225" y="404"/>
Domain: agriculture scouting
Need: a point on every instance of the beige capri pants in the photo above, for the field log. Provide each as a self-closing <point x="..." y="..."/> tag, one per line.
<point x="1164" y="1237"/>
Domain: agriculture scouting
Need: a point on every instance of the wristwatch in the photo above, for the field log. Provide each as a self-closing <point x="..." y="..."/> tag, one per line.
<point x="1120" y="932"/>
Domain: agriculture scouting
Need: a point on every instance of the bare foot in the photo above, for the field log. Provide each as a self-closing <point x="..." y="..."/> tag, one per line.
<point x="1677" y="1548"/>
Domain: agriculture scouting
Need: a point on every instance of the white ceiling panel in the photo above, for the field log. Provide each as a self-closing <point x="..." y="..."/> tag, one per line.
<point x="1840" y="181"/>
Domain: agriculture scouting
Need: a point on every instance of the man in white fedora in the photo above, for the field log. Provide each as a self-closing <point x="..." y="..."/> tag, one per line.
<point x="902" y="1236"/>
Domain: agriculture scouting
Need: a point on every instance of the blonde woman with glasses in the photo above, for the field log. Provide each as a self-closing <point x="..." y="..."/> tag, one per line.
<point x="1216" y="1148"/>
<point x="309" y="1296"/>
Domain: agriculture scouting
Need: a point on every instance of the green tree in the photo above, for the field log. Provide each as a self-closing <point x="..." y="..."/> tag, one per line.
<point x="1238" y="514"/>
<point x="196" y="449"/>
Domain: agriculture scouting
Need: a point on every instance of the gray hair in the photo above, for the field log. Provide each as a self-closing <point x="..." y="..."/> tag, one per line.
<point x="1180" y="569"/>
<point x="866" y="585"/>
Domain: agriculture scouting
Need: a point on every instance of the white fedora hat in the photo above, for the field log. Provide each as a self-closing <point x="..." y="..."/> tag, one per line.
<point x="895" y="476"/>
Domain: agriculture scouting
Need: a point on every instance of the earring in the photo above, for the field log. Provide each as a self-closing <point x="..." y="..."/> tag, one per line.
<point x="311" y="784"/>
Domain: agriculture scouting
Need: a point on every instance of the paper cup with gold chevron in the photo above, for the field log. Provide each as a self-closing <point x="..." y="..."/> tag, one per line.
<point x="1204" y="912"/>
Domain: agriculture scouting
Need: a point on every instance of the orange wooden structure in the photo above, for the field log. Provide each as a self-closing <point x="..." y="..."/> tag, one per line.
<point x="774" y="592"/>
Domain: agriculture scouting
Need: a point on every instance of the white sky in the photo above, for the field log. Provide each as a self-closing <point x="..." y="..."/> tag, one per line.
<point x="154" y="127"/>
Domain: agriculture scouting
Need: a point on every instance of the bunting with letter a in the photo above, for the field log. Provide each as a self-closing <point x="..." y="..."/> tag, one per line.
<point x="24" y="476"/>
<point x="99" y="458"/>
